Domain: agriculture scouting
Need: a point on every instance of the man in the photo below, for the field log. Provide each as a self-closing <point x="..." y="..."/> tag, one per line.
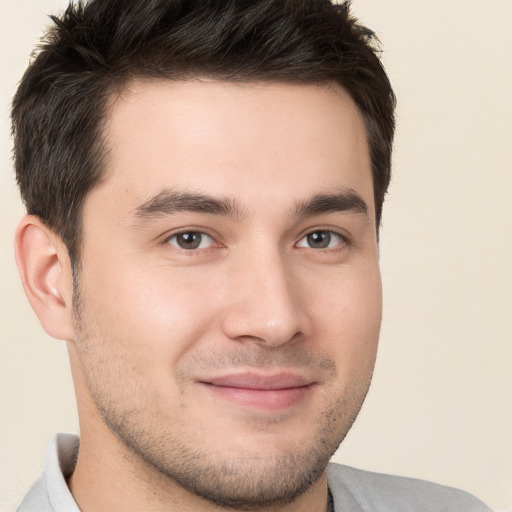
<point x="204" y="183"/>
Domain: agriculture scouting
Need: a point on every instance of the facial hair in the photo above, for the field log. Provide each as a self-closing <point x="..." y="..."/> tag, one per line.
<point x="249" y="481"/>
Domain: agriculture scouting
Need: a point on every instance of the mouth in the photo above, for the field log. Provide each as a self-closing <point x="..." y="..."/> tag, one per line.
<point x="259" y="391"/>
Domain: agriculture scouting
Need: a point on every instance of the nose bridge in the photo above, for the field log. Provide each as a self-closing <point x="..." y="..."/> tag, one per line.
<point x="266" y="304"/>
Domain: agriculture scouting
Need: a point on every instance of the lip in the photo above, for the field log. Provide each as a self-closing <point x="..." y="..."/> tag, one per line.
<point x="260" y="391"/>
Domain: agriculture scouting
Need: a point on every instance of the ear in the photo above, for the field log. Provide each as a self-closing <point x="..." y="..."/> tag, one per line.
<point x="45" y="270"/>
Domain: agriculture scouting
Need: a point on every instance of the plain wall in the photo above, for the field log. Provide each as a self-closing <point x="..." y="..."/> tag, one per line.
<point x="440" y="407"/>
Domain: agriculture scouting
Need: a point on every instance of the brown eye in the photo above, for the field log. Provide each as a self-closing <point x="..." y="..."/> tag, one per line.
<point x="320" y="240"/>
<point x="190" y="240"/>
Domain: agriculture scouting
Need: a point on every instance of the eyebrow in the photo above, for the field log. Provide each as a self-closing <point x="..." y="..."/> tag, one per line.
<point x="170" y="202"/>
<point x="345" y="201"/>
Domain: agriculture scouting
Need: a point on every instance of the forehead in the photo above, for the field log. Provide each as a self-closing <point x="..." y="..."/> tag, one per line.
<point x="250" y="140"/>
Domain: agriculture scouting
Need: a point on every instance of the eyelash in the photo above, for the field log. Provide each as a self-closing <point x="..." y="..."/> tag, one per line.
<point x="342" y="240"/>
<point x="202" y="234"/>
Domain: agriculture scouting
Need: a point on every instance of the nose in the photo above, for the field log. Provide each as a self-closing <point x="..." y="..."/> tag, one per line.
<point x="265" y="304"/>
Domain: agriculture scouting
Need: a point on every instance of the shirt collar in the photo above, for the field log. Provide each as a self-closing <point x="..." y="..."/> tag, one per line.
<point x="59" y="465"/>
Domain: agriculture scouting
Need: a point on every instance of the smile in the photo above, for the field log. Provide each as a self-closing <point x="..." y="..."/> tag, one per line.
<point x="264" y="392"/>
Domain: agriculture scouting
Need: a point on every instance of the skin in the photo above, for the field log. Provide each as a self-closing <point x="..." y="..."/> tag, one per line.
<point x="222" y="376"/>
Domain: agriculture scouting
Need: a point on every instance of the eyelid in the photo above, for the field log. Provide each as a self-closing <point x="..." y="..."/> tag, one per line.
<point x="322" y="229"/>
<point x="338" y="232"/>
<point x="193" y="229"/>
<point x="204" y="240"/>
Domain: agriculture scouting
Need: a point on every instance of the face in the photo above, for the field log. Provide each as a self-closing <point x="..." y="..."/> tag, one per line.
<point x="228" y="304"/>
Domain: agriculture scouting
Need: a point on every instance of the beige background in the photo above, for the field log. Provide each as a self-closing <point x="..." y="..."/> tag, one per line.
<point x="441" y="403"/>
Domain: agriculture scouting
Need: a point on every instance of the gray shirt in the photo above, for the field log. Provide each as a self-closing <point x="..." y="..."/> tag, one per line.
<point x="353" y="490"/>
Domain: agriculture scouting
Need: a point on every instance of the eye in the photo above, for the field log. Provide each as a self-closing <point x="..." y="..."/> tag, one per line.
<point x="190" y="240"/>
<point x="321" y="239"/>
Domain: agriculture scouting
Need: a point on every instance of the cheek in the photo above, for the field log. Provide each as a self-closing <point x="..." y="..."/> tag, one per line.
<point x="349" y="316"/>
<point x="154" y="313"/>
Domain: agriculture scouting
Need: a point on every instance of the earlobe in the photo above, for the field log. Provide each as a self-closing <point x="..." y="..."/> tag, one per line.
<point x="45" y="271"/>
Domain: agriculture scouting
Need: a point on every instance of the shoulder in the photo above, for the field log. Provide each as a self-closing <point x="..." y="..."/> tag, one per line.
<point x="50" y="492"/>
<point x="389" y="493"/>
<point x="36" y="500"/>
